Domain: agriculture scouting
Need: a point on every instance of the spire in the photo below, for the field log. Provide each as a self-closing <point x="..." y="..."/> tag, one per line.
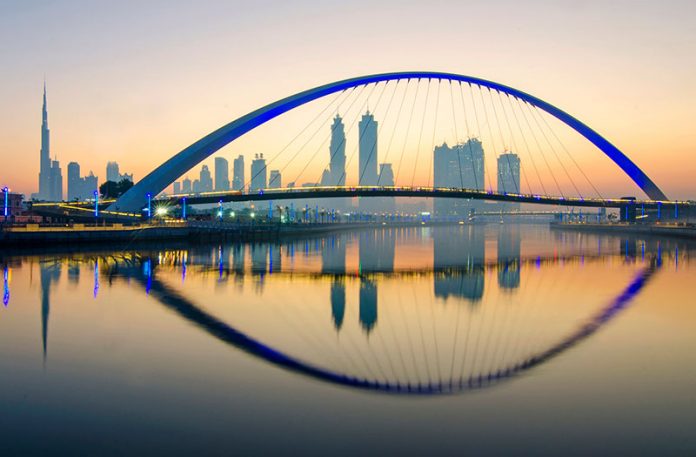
<point x="45" y="109"/>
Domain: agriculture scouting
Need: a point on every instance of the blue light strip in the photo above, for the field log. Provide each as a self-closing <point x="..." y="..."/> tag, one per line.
<point x="6" y="210"/>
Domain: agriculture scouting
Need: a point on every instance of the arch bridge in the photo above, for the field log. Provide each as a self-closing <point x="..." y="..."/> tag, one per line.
<point x="161" y="177"/>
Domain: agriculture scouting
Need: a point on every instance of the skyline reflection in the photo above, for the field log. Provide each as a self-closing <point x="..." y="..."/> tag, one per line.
<point x="420" y="339"/>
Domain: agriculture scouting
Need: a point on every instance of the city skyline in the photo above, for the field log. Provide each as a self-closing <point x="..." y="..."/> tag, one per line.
<point x="641" y="116"/>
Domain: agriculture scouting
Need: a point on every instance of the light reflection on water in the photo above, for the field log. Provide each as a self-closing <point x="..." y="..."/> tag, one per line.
<point x="424" y="311"/>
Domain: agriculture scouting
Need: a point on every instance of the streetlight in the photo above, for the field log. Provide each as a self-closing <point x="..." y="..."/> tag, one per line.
<point x="149" y="205"/>
<point x="6" y="207"/>
<point x="183" y="210"/>
<point x="220" y="209"/>
<point x="96" y="203"/>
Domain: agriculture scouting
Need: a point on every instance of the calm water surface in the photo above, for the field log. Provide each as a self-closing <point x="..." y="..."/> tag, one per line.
<point x="498" y="339"/>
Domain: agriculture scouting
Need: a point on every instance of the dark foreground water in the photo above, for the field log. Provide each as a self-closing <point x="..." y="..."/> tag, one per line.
<point x="500" y="339"/>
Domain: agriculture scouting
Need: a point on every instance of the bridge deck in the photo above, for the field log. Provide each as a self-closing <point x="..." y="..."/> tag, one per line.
<point x="400" y="191"/>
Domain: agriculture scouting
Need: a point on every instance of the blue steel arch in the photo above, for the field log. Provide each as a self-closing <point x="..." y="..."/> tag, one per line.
<point x="161" y="177"/>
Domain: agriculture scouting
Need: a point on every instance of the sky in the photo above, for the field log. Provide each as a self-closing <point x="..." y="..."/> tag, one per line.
<point x="136" y="82"/>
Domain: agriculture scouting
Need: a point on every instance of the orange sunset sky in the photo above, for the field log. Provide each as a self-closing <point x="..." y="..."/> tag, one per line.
<point x="136" y="82"/>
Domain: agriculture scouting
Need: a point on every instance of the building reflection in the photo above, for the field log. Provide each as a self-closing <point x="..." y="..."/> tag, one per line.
<point x="333" y="261"/>
<point x="49" y="273"/>
<point x="376" y="249"/>
<point x="509" y="242"/>
<point x="463" y="248"/>
<point x="238" y="255"/>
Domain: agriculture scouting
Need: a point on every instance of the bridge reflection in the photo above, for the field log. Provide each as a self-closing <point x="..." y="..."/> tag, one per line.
<point x="408" y="344"/>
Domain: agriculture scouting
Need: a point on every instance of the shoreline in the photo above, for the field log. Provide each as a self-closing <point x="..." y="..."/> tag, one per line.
<point x="672" y="231"/>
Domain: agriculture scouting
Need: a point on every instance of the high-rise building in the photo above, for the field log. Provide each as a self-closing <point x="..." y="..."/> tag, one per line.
<point x="275" y="180"/>
<point x="50" y="175"/>
<point x="461" y="166"/>
<point x="258" y="173"/>
<point x="45" y="166"/>
<point x="90" y="184"/>
<point x="337" y="154"/>
<point x="74" y="181"/>
<point x="56" y="182"/>
<point x="112" y="172"/>
<point x="177" y="188"/>
<point x="238" y="173"/>
<point x="80" y="188"/>
<point x="205" y="180"/>
<point x="367" y="150"/>
<point x="509" y="177"/>
<point x="222" y="174"/>
<point x="386" y="178"/>
<point x="196" y="188"/>
<point x="186" y="186"/>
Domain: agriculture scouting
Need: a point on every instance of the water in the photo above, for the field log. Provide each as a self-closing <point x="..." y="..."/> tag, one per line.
<point x="467" y="339"/>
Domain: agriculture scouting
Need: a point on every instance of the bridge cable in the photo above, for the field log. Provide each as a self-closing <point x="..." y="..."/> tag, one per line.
<point x="321" y="113"/>
<point x="480" y="133"/>
<point x="431" y="152"/>
<point x="490" y="134"/>
<point x="553" y="150"/>
<point x="352" y="125"/>
<point x="408" y="129"/>
<point x="379" y="131"/>
<point x="396" y="123"/>
<point x="456" y="140"/>
<point x="523" y="170"/>
<point x="540" y="115"/>
<point x="321" y="146"/>
<point x="516" y="184"/>
<point x="420" y="135"/>
<point x="529" y="152"/>
<point x="468" y="134"/>
<point x="361" y="133"/>
<point x="543" y="155"/>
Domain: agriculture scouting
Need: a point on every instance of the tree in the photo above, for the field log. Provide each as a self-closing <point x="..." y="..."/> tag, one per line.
<point x="111" y="189"/>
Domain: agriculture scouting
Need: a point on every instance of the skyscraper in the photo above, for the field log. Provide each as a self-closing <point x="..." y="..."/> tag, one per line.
<point x="258" y="173"/>
<point x="205" y="180"/>
<point x="73" y="181"/>
<point x="45" y="166"/>
<point x="386" y="178"/>
<point x="367" y="169"/>
<point x="367" y="150"/>
<point x="177" y="188"/>
<point x="461" y="166"/>
<point x="509" y="177"/>
<point x="222" y="174"/>
<point x="80" y="188"/>
<point x="238" y="173"/>
<point x="337" y="154"/>
<point x="275" y="180"/>
<point x="56" y="182"/>
<point x="50" y="176"/>
<point x="112" y="172"/>
<point x="186" y="186"/>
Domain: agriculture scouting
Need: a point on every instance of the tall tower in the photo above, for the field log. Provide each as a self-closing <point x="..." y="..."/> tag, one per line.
<point x="222" y="176"/>
<point x="45" y="167"/>
<point x="258" y="173"/>
<point x="337" y="151"/>
<point x="238" y="173"/>
<point x="367" y="173"/>
<point x="74" y="187"/>
<point x="509" y="177"/>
